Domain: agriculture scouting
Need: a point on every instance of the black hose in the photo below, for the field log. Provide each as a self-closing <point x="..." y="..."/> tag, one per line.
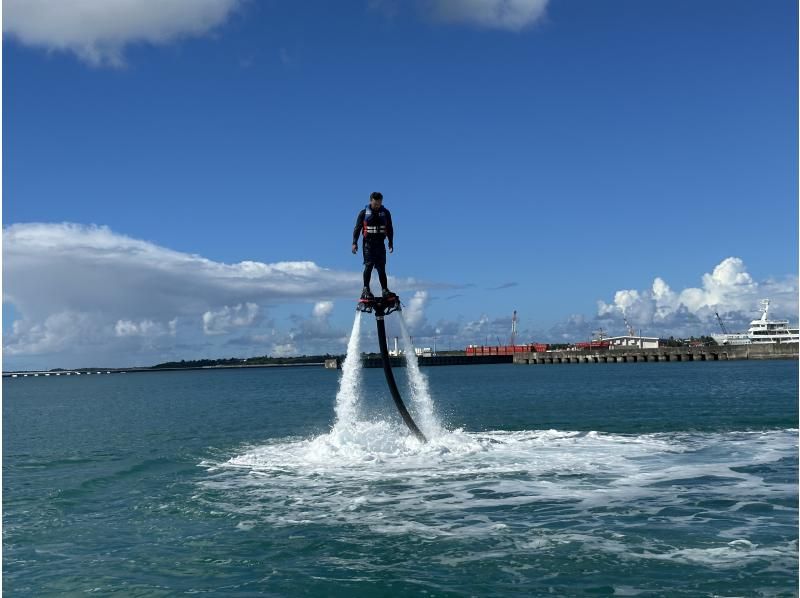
<point x="387" y="369"/>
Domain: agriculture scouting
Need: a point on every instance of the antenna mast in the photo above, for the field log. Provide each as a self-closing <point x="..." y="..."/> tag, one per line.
<point x="514" y="328"/>
<point x="765" y="311"/>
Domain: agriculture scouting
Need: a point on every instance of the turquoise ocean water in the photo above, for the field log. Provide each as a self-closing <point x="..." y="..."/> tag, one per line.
<point x="665" y="479"/>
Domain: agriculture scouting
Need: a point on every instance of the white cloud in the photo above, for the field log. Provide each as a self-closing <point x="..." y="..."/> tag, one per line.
<point x="414" y="312"/>
<point x="323" y="309"/>
<point x="728" y="289"/>
<point x="145" y="328"/>
<point x="658" y="310"/>
<point x="729" y="286"/>
<point x="97" y="31"/>
<point x="622" y="300"/>
<point x="283" y="349"/>
<point x="52" y="267"/>
<point x="316" y="334"/>
<point x="513" y="15"/>
<point x="83" y="295"/>
<point x="55" y="333"/>
<point x="222" y="320"/>
<point x="79" y="288"/>
<point x="479" y="325"/>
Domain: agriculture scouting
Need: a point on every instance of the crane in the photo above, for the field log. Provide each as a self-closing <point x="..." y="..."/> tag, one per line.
<point x="721" y="324"/>
<point x="631" y="331"/>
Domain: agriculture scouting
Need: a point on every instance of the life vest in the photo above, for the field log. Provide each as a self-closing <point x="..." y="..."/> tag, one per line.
<point x="374" y="222"/>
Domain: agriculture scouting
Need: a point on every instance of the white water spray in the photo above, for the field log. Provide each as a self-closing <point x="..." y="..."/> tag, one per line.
<point x="420" y="393"/>
<point x="350" y="382"/>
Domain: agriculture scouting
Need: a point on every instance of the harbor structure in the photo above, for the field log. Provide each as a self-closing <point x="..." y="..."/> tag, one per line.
<point x="632" y="342"/>
<point x="663" y="354"/>
<point x="762" y="331"/>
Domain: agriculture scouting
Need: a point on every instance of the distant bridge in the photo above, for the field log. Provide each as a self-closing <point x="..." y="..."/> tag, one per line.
<point x="100" y="371"/>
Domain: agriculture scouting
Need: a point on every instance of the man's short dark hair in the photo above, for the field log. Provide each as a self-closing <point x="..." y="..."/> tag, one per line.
<point x="376" y="195"/>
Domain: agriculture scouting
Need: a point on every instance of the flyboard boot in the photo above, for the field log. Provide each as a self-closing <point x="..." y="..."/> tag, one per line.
<point x="367" y="301"/>
<point x="384" y="304"/>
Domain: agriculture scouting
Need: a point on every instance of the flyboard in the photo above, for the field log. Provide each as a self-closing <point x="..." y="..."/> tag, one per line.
<point x="382" y="307"/>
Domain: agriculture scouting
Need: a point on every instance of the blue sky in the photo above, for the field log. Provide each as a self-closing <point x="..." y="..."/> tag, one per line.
<point x="538" y="156"/>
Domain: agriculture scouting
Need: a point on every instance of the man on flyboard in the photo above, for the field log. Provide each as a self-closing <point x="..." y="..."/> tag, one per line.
<point x="374" y="224"/>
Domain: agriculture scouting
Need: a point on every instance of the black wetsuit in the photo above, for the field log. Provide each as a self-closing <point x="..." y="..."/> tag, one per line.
<point x="374" y="226"/>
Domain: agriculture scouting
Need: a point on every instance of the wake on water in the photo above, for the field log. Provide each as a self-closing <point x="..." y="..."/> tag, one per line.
<point x="587" y="489"/>
<point x="635" y="498"/>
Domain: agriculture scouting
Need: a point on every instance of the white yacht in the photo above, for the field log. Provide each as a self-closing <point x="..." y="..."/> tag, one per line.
<point x="762" y="331"/>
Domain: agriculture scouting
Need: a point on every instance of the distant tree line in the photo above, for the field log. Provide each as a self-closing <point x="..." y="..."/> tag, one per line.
<point x="706" y="341"/>
<point x="237" y="361"/>
<point x="559" y="346"/>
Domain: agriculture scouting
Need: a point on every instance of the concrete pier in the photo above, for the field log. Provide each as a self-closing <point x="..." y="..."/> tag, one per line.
<point x="716" y="353"/>
<point x="375" y="362"/>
